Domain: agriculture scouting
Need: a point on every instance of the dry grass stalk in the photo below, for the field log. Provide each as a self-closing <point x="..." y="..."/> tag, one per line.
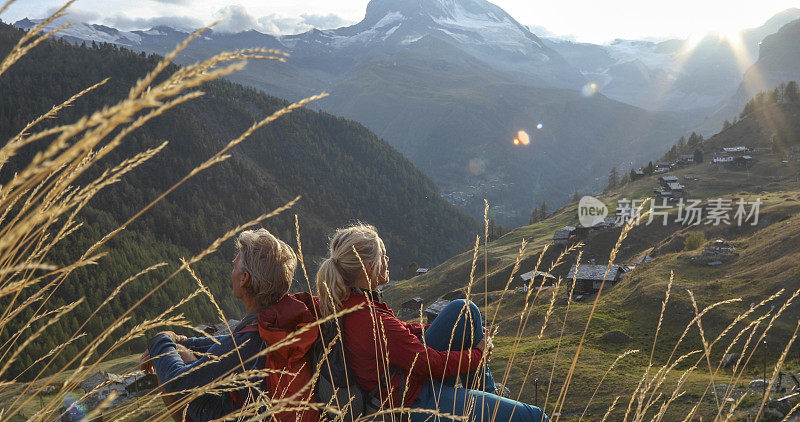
<point x="46" y="192"/>
<point x="605" y="374"/>
<point x="610" y="409"/>
<point x="563" y="327"/>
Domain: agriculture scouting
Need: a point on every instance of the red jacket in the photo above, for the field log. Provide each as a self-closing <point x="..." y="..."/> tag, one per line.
<point x="402" y="342"/>
<point x="275" y="323"/>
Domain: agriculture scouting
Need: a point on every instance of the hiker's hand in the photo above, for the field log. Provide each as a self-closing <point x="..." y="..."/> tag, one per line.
<point x="186" y="355"/>
<point x="146" y="364"/>
<point x="176" y="338"/>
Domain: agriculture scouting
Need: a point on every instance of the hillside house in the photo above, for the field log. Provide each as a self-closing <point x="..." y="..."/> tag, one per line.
<point x="637" y="174"/>
<point x="561" y="237"/>
<point x="676" y="188"/>
<point x="412" y="304"/>
<point x="721" y="159"/>
<point x="664" y="181"/>
<point x="431" y="312"/>
<point x="686" y="159"/>
<point x="663" y="166"/>
<point x="608" y="222"/>
<point x="540" y="279"/>
<point x="140" y="383"/>
<point x="589" y="277"/>
<point x="421" y="271"/>
<point x="100" y="385"/>
<point x="744" y="161"/>
<point x="735" y="151"/>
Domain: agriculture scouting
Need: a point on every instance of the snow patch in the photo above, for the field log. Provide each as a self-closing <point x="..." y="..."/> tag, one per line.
<point x="390" y="32"/>
<point x="493" y="28"/>
<point x="410" y="40"/>
<point x="389" y="19"/>
<point x="624" y="51"/>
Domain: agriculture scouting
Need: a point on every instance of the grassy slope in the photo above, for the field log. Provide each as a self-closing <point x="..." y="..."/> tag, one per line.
<point x="767" y="262"/>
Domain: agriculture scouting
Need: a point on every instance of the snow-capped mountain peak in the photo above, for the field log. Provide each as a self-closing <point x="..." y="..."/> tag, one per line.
<point x="87" y="32"/>
<point x="470" y="21"/>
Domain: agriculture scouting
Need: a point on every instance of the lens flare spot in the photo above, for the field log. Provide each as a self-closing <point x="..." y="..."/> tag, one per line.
<point x="539" y="126"/>
<point x="589" y="90"/>
<point x="476" y="166"/>
<point x="522" y="138"/>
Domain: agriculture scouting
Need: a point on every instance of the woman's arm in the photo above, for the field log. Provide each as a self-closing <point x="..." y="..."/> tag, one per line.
<point x="404" y="346"/>
<point x="416" y="328"/>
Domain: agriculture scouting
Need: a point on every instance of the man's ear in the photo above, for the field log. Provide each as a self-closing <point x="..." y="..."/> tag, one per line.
<point x="244" y="279"/>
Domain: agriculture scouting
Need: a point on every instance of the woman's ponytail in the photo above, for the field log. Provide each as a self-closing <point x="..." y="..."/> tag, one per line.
<point x="350" y="249"/>
<point x="332" y="288"/>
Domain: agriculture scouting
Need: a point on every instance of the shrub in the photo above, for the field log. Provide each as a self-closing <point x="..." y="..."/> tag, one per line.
<point x="694" y="241"/>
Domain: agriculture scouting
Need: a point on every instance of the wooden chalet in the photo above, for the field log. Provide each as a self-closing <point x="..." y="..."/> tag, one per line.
<point x="589" y="277"/>
<point x="540" y="279"/>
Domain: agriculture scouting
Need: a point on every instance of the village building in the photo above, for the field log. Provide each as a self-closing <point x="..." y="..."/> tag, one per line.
<point x="663" y="166"/>
<point x="431" y="312"/>
<point x="676" y="188"/>
<point x="561" y="237"/>
<point x="721" y="159"/>
<point x="608" y="222"/>
<point x="421" y="271"/>
<point x="589" y="277"/>
<point x="540" y="279"/>
<point x="100" y="385"/>
<point x="139" y="383"/>
<point x="637" y="174"/>
<point x="662" y="193"/>
<point x="686" y="159"/>
<point x="412" y="304"/>
<point x="744" y="161"/>
<point x="664" y="181"/>
<point x="735" y="151"/>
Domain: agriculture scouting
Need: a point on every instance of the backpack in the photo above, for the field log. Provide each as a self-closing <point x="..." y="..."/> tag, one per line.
<point x="273" y="325"/>
<point x="336" y="384"/>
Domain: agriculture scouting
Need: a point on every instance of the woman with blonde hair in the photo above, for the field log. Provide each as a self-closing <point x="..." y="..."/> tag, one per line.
<point x="406" y="364"/>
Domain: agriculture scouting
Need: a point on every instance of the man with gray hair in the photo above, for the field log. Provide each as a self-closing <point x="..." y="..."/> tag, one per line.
<point x="261" y="276"/>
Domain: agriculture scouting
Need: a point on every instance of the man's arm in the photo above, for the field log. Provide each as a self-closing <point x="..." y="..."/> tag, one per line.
<point x="177" y="375"/>
<point x="200" y="344"/>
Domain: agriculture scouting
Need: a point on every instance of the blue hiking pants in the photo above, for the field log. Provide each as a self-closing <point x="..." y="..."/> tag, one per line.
<point x="461" y="321"/>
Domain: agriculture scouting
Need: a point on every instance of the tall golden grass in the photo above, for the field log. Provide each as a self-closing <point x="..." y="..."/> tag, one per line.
<point x="42" y="203"/>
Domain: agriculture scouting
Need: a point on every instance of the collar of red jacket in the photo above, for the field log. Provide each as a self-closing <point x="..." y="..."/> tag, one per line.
<point x="289" y="312"/>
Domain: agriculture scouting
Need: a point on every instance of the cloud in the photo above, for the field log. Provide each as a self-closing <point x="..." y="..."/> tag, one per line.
<point x="125" y="23"/>
<point x="279" y="24"/>
<point x="235" y="18"/>
<point x="74" y="15"/>
<point x="183" y="23"/>
<point x="329" y="21"/>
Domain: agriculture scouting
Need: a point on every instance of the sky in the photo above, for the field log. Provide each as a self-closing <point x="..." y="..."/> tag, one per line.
<point x="582" y="20"/>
